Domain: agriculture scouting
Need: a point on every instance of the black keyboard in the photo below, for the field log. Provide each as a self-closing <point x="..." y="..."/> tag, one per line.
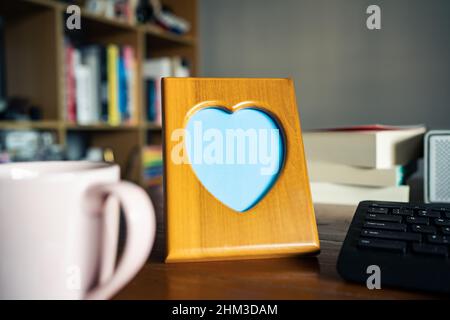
<point x="409" y="243"/>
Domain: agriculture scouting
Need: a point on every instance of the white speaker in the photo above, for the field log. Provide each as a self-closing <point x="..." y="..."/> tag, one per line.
<point x="437" y="166"/>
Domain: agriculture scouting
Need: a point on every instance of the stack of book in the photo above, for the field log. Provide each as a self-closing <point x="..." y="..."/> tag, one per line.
<point x="168" y="20"/>
<point x="140" y="11"/>
<point x="153" y="165"/>
<point x="353" y="164"/>
<point x="114" y="9"/>
<point x="153" y="71"/>
<point x="101" y="84"/>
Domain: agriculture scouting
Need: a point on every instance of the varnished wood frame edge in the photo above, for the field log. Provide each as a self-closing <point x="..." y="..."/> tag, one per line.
<point x="296" y="249"/>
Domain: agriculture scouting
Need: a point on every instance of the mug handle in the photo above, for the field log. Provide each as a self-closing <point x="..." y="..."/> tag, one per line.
<point x="140" y="230"/>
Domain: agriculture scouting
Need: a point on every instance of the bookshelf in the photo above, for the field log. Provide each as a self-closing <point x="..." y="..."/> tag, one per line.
<point x="34" y="58"/>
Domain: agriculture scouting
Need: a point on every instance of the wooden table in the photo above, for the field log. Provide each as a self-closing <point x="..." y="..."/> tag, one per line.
<point x="287" y="278"/>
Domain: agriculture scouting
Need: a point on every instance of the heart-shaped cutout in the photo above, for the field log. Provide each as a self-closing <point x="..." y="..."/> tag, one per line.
<point x="237" y="156"/>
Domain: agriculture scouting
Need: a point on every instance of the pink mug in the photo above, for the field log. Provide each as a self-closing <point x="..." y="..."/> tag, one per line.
<point x="59" y="230"/>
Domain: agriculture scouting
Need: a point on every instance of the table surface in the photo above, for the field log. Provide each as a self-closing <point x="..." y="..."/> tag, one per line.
<point x="285" y="278"/>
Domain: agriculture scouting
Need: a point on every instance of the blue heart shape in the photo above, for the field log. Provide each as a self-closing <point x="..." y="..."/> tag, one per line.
<point x="236" y="156"/>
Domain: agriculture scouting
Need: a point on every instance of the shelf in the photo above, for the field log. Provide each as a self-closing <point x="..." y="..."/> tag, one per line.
<point x="27" y="125"/>
<point x="159" y="36"/>
<point x="105" y="22"/>
<point x="104" y="126"/>
<point x="102" y="24"/>
<point x="100" y="127"/>
<point x="156" y="35"/>
<point x="153" y="126"/>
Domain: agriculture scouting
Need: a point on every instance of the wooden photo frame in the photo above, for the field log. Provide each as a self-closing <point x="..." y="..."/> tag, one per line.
<point x="200" y="227"/>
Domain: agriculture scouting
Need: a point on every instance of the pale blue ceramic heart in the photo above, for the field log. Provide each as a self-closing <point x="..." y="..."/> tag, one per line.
<point x="236" y="156"/>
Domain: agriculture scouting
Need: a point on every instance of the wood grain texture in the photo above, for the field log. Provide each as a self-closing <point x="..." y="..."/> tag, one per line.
<point x="285" y="278"/>
<point x="199" y="226"/>
<point x="32" y="59"/>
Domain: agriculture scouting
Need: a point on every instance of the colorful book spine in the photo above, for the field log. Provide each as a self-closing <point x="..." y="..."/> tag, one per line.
<point x="123" y="89"/>
<point x="130" y="67"/>
<point x="113" y="85"/>
<point x="102" y="80"/>
<point x="70" y="84"/>
<point x="151" y="99"/>
<point x="153" y="165"/>
<point x="103" y="84"/>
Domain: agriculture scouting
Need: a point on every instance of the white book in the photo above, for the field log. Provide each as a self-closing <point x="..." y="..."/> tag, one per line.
<point x="373" y="146"/>
<point x="83" y="87"/>
<point x="329" y="193"/>
<point x="320" y="171"/>
<point x="179" y="70"/>
<point x="157" y="68"/>
<point x="91" y="58"/>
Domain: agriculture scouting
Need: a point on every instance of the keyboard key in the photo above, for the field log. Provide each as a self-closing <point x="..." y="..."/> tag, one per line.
<point x="396" y="211"/>
<point x="423" y="229"/>
<point x="378" y="210"/>
<point x="397" y="246"/>
<point x="446" y="230"/>
<point x="430" y="249"/>
<point x="391" y="235"/>
<point x="404" y="212"/>
<point x="429" y="214"/>
<point x="389" y="206"/>
<point x="442" y="222"/>
<point x="418" y="220"/>
<point x="442" y="209"/>
<point x="436" y="239"/>
<point x="385" y="226"/>
<point x="447" y="214"/>
<point x="383" y="217"/>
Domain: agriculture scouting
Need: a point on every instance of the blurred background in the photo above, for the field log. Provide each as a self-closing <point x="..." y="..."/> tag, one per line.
<point x="344" y="73"/>
<point x="81" y="79"/>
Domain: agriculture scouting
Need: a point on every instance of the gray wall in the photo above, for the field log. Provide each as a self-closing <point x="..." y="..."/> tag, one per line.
<point x="344" y="73"/>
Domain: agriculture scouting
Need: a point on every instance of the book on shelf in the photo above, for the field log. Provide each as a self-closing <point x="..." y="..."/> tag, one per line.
<point x="373" y="146"/>
<point x="114" y="117"/>
<point x="69" y="70"/>
<point x="339" y="194"/>
<point x="101" y="84"/>
<point x="140" y="11"/>
<point x="84" y="86"/>
<point x="91" y="56"/>
<point x="124" y="10"/>
<point x="131" y="83"/>
<point x="322" y="171"/>
<point x="166" y="19"/>
<point x="155" y="69"/>
<point x="153" y="164"/>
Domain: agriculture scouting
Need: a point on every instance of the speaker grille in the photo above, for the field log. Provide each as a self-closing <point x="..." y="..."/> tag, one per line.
<point x="441" y="171"/>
